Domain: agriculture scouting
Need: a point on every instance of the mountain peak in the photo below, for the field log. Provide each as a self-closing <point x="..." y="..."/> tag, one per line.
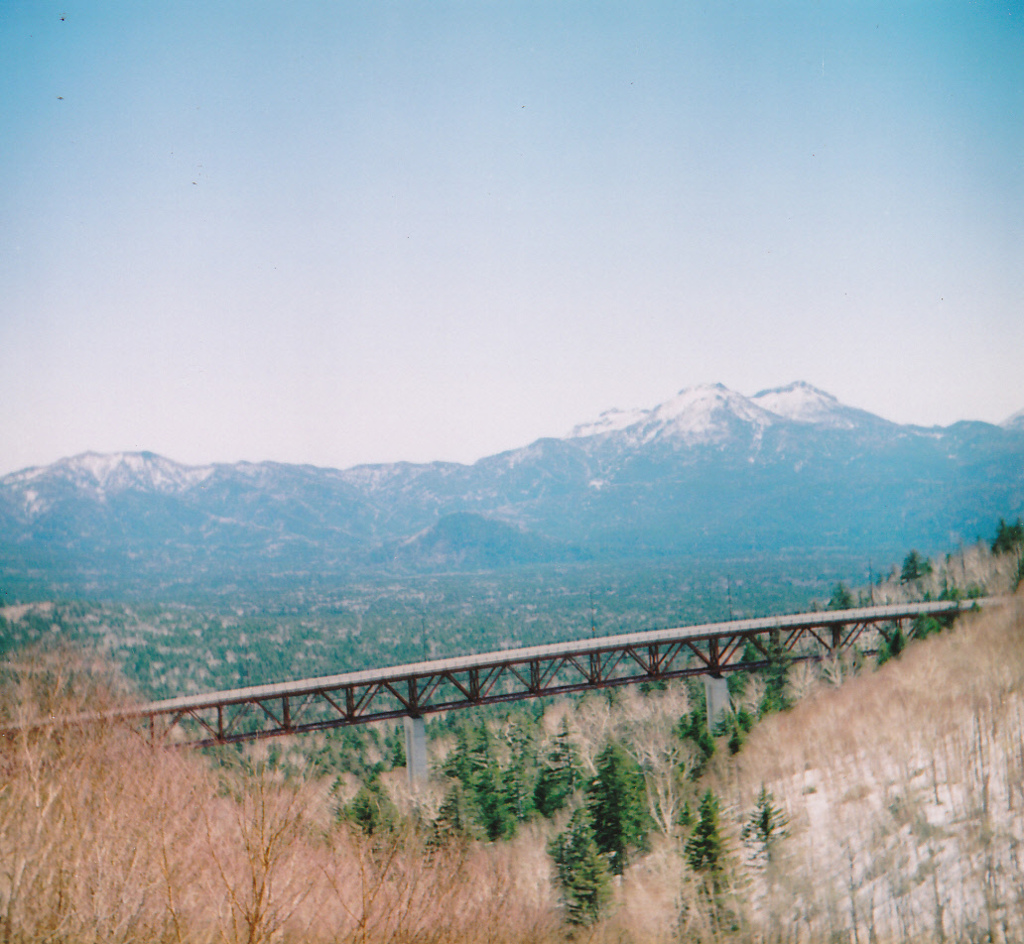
<point x="712" y="412"/>
<point x="699" y="414"/>
<point x="803" y="403"/>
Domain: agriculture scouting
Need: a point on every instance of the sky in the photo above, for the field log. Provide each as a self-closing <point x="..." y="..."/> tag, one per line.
<point x="340" y="232"/>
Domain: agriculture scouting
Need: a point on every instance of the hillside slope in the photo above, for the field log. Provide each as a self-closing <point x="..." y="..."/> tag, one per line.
<point x="905" y="792"/>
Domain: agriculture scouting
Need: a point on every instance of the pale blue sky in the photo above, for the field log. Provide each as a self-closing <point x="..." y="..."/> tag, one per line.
<point x="352" y="232"/>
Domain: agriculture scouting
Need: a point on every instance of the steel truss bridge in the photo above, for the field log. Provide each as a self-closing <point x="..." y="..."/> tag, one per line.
<point x="418" y="689"/>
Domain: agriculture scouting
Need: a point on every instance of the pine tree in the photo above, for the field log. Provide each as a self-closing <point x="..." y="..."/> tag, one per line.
<point x="459" y="764"/>
<point x="693" y="727"/>
<point x="616" y="801"/>
<point x="581" y="870"/>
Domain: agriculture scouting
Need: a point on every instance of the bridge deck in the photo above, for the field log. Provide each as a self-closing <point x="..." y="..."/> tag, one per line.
<point x="506" y="675"/>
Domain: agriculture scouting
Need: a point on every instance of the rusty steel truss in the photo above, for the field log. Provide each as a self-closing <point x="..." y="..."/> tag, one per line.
<point x="422" y="688"/>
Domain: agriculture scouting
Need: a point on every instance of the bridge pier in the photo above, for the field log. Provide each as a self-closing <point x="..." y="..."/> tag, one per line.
<point x="716" y="693"/>
<point x="416" y="750"/>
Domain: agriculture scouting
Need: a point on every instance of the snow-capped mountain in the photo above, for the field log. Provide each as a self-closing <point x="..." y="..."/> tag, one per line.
<point x="711" y="412"/>
<point x="707" y="472"/>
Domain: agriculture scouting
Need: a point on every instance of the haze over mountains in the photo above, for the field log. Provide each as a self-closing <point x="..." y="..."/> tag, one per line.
<point x="709" y="472"/>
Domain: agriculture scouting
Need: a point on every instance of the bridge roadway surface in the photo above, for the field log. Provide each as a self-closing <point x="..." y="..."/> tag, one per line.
<point x="416" y="689"/>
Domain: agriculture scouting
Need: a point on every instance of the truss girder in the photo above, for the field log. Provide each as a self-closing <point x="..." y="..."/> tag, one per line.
<point x="444" y="685"/>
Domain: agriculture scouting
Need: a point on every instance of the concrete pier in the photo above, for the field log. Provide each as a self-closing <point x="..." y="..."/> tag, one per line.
<point x="416" y="750"/>
<point x="716" y="691"/>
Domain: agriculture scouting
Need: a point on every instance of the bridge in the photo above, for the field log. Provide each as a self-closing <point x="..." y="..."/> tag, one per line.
<point x="711" y="650"/>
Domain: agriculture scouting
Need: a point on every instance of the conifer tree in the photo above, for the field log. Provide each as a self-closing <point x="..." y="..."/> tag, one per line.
<point x="841" y="598"/>
<point x="693" y="727"/>
<point x="581" y="870"/>
<point x="776" y="677"/>
<point x="520" y="778"/>
<point x="914" y="566"/>
<point x="458" y="816"/>
<point x="496" y="815"/>
<point x="705" y="850"/>
<point x="616" y="802"/>
<point x="371" y="808"/>
<point x="560" y="775"/>
<point x="767" y="825"/>
<point x="1009" y="537"/>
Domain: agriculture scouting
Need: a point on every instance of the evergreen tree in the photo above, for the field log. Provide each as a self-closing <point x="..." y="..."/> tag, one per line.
<point x="693" y="727"/>
<point x="705" y="850"/>
<point x="496" y="815"/>
<point x="581" y="870"/>
<point x="776" y="677"/>
<point x="521" y="777"/>
<point x="767" y="825"/>
<point x="460" y="764"/>
<point x="560" y="775"/>
<point x="914" y="566"/>
<point x="616" y="802"/>
<point x="371" y="809"/>
<point x="841" y="598"/>
<point x="458" y="816"/>
<point x="893" y="646"/>
<point x="396" y="748"/>
<point x="1009" y="537"/>
<point x="740" y="722"/>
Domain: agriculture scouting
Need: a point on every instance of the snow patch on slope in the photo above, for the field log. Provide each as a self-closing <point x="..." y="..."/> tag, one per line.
<point x="115" y="472"/>
<point x="609" y="421"/>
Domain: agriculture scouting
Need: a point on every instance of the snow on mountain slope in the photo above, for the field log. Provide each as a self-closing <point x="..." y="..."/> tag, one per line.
<point x="802" y="403"/>
<point x="609" y="421"/>
<point x="712" y="412"/>
<point x="799" y="402"/>
<point x="702" y="414"/>
<point x="707" y="413"/>
<point x="116" y="472"/>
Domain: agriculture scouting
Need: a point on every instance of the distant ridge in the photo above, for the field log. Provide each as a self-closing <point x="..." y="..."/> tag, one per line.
<point x="708" y="472"/>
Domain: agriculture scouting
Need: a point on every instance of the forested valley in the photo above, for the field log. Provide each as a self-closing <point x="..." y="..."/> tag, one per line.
<point x="873" y="797"/>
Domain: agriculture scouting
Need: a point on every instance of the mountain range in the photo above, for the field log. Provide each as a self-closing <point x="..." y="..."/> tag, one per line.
<point x="709" y="472"/>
